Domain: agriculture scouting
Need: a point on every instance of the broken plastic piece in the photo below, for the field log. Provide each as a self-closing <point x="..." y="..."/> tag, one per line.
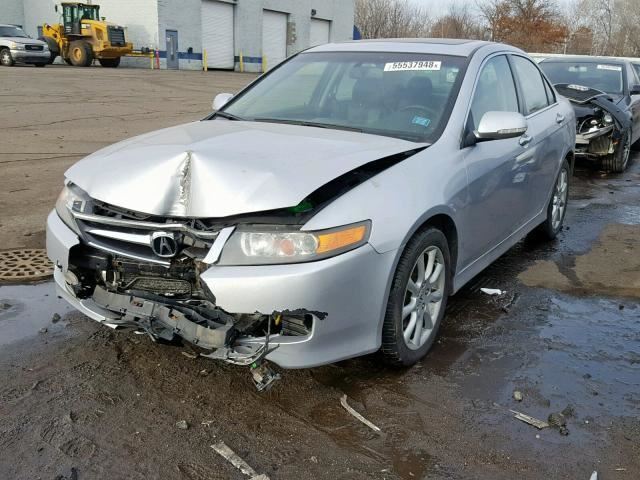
<point x="233" y="458"/>
<point x="492" y="291"/>
<point x="263" y="376"/>
<point x="349" y="409"/>
<point x="539" y="424"/>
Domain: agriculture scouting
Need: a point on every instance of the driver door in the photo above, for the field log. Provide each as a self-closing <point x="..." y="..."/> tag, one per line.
<point x="496" y="200"/>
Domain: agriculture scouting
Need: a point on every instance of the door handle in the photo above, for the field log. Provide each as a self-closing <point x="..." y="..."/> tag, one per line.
<point x="559" y="118"/>
<point x="525" y="140"/>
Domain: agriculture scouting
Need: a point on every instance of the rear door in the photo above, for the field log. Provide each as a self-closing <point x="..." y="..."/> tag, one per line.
<point x="537" y="166"/>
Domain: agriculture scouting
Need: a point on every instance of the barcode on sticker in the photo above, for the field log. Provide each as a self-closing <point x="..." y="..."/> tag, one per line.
<point x="415" y="65"/>
<point x="616" y="68"/>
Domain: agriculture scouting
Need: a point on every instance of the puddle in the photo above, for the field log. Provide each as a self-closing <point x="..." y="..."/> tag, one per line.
<point x="25" y="309"/>
<point x="612" y="267"/>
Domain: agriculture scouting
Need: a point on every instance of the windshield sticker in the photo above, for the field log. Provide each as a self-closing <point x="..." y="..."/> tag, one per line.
<point x="421" y="121"/>
<point x="452" y="74"/>
<point x="616" y="68"/>
<point x="412" y="66"/>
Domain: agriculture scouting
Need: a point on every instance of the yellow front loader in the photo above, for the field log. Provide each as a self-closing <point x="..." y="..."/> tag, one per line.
<point x="83" y="36"/>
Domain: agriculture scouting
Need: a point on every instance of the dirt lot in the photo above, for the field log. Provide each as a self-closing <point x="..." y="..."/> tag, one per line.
<point x="82" y="401"/>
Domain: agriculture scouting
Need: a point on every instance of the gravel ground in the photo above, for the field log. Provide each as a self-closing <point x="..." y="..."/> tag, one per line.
<point x="82" y="401"/>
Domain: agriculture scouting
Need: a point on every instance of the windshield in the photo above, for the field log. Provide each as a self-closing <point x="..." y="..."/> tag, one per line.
<point x="401" y="95"/>
<point x="12" y="32"/>
<point x="606" y="77"/>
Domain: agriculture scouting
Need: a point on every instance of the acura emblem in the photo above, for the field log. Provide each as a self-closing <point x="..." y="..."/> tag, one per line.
<point x="164" y="244"/>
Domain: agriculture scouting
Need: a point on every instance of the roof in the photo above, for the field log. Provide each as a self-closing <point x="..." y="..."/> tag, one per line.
<point x="441" y="46"/>
<point x="583" y="59"/>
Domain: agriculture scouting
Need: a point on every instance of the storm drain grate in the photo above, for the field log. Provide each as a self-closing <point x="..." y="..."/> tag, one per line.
<point x="24" y="265"/>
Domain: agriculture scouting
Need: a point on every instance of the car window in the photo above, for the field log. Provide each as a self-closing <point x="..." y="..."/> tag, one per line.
<point x="636" y="67"/>
<point x="533" y="87"/>
<point x="495" y="90"/>
<point x="551" y="97"/>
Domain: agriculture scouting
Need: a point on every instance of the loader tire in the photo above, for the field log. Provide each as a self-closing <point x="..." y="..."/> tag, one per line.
<point x="109" y="62"/>
<point x="80" y="53"/>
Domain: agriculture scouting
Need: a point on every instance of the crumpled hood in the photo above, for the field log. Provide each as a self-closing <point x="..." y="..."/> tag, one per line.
<point x="218" y="168"/>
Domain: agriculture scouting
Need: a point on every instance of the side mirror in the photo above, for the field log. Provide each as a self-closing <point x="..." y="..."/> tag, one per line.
<point x="635" y="90"/>
<point x="221" y="100"/>
<point x="500" y="125"/>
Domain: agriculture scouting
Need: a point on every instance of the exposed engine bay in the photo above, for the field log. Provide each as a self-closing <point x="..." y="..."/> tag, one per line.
<point x="600" y="122"/>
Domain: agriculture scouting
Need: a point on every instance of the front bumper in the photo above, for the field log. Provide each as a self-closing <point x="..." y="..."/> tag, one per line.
<point x="30" y="56"/>
<point x="346" y="295"/>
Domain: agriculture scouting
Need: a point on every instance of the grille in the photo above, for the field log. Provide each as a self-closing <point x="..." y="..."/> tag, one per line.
<point x="116" y="36"/>
<point x="131" y="235"/>
<point x="38" y="48"/>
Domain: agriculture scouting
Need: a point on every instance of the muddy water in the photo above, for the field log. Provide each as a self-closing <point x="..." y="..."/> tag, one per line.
<point x="566" y="333"/>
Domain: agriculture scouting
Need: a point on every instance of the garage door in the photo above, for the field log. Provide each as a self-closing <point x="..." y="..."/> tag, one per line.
<point x="319" y="32"/>
<point x="274" y="37"/>
<point x="217" y="33"/>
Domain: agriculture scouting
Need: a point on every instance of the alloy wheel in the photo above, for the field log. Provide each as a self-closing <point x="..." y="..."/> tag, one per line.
<point x="423" y="297"/>
<point x="5" y="57"/>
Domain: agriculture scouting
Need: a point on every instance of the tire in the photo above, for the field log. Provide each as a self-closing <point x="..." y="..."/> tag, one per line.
<point x="6" y="59"/>
<point x="557" y="208"/>
<point x="54" y="51"/>
<point x="406" y="303"/>
<point x="67" y="61"/>
<point x="40" y="65"/>
<point x="617" y="161"/>
<point x="80" y="53"/>
<point x="109" y="62"/>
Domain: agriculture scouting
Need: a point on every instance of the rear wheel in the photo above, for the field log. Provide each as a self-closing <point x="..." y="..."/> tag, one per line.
<point x="5" y="57"/>
<point x="557" y="207"/>
<point x="109" y="62"/>
<point x="418" y="298"/>
<point x="80" y="53"/>
<point x="618" y="160"/>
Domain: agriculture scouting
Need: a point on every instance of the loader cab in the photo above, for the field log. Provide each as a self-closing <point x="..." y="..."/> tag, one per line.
<point x="74" y="13"/>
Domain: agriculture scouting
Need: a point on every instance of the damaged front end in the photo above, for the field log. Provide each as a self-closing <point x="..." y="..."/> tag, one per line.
<point x="600" y="123"/>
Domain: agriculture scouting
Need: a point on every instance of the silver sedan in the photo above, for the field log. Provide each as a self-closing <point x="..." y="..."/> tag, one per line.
<point x="326" y="211"/>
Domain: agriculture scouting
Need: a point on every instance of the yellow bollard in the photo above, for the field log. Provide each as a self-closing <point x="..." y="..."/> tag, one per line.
<point x="264" y="63"/>
<point x="204" y="58"/>
<point x="241" y="62"/>
<point x="151" y="60"/>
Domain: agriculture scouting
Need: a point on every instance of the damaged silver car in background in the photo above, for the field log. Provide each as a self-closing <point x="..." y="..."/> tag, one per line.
<point x="605" y="93"/>
<point x="326" y="211"/>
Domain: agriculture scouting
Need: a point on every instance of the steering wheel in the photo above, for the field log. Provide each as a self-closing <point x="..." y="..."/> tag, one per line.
<point x="430" y="113"/>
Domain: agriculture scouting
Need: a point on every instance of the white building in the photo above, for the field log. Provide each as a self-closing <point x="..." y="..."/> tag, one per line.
<point x="261" y="32"/>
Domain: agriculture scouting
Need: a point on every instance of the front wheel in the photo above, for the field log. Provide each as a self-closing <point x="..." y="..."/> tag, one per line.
<point x="80" y="53"/>
<point x="617" y="161"/>
<point x="5" y="57"/>
<point x="418" y="298"/>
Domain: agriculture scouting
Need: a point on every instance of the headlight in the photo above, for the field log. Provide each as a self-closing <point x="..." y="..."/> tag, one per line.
<point x="260" y="245"/>
<point x="17" y="46"/>
<point x="607" y="118"/>
<point x="71" y="198"/>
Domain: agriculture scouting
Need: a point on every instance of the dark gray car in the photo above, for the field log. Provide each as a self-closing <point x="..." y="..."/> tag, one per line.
<point x="605" y="94"/>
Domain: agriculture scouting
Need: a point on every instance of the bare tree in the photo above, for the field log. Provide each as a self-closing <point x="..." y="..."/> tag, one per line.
<point x="391" y="19"/>
<point x="458" y="22"/>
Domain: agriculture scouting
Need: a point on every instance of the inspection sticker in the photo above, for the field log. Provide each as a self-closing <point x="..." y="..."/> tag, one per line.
<point x="616" y="68"/>
<point x="415" y="65"/>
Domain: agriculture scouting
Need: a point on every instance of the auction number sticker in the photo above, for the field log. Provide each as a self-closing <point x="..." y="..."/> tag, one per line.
<point x="616" y="68"/>
<point x="415" y="65"/>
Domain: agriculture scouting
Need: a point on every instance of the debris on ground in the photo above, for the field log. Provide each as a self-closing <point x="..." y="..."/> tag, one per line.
<point x="190" y="355"/>
<point x="557" y="420"/>
<point x="55" y="318"/>
<point x="517" y="396"/>
<point x="204" y="372"/>
<point x="564" y="431"/>
<point x="594" y="476"/>
<point x="43" y="330"/>
<point x="232" y="457"/>
<point x="263" y="376"/>
<point x="206" y="423"/>
<point x="535" y="422"/>
<point x="568" y="411"/>
<point x="182" y="425"/>
<point x="492" y="291"/>
<point x="349" y="409"/>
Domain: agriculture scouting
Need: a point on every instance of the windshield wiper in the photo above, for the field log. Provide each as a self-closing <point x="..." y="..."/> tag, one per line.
<point x="306" y="123"/>
<point x="228" y="116"/>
